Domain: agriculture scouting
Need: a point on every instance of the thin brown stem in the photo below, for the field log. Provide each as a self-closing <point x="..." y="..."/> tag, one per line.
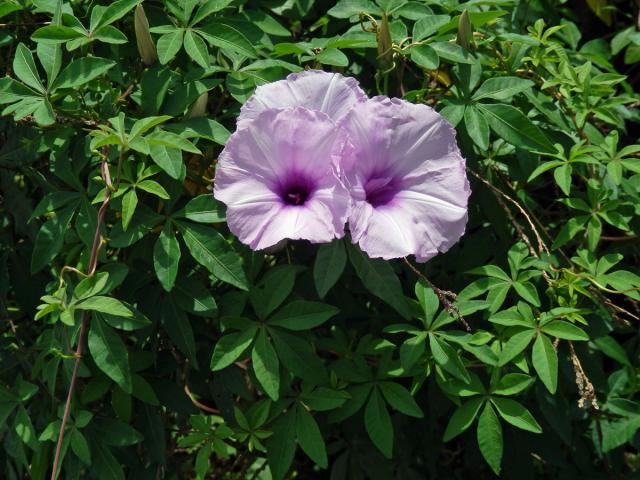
<point x="197" y="403"/>
<point x="93" y="262"/>
<point x="445" y="297"/>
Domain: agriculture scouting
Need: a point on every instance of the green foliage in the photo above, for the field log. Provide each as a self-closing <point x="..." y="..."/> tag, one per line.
<point x="198" y="358"/>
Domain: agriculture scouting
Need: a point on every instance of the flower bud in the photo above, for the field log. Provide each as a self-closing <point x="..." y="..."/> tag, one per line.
<point x="199" y="107"/>
<point x="385" y="50"/>
<point x="146" y="48"/>
<point x="465" y="33"/>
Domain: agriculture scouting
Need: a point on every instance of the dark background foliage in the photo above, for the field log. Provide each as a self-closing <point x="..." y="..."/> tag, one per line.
<point x="514" y="354"/>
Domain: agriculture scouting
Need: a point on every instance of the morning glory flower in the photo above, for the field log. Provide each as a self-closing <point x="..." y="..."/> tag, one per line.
<point x="326" y="92"/>
<point x="279" y="178"/>
<point x="406" y="178"/>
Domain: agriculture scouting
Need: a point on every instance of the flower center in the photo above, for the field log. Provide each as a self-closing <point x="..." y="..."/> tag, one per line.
<point x="381" y="191"/>
<point x="296" y="195"/>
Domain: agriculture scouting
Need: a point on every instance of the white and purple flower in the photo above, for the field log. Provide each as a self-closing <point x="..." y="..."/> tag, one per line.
<point x="279" y="178"/>
<point x="406" y="178"/>
<point x="311" y="152"/>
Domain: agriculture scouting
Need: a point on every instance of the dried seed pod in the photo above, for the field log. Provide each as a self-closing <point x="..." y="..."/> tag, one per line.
<point x="465" y="32"/>
<point x="385" y="45"/>
<point x="146" y="47"/>
<point x="199" y="107"/>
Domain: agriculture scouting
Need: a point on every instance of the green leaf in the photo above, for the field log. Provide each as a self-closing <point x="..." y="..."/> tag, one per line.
<point x="168" y="45"/>
<point x="135" y="322"/>
<point x="545" y="361"/>
<point x="145" y="124"/>
<point x="55" y="34"/>
<point x="9" y="6"/>
<point x="226" y="36"/>
<point x="399" y="398"/>
<point x="452" y="52"/>
<point x="528" y="292"/>
<point x="297" y="355"/>
<point x="510" y="124"/>
<point x="171" y="140"/>
<point x="169" y="159"/>
<point x="207" y="8"/>
<point x="332" y="56"/>
<point x="477" y="126"/>
<point x="115" y="432"/>
<point x="80" y="446"/>
<point x="611" y="348"/>
<point x="104" y="462"/>
<point x="266" y="365"/>
<point x="196" y="48"/>
<point x="378" y="424"/>
<point x="50" y="239"/>
<point x="178" y="326"/>
<point x="281" y="447"/>
<point x="515" y="345"/>
<point x="380" y="279"/>
<point x="166" y="257"/>
<point x="350" y="8"/>
<point x="154" y="188"/>
<point x="103" y="304"/>
<point x="427" y="26"/>
<point x="109" y="353"/>
<point x="462" y="418"/>
<point x="490" y="438"/>
<point x="82" y="71"/>
<point x="310" y="438"/>
<point x="110" y="34"/>
<point x="448" y="358"/>
<point x="211" y="250"/>
<point x="562" y="176"/>
<point x="229" y="348"/>
<point x="129" y="204"/>
<point x="502" y="88"/>
<point x="273" y="289"/>
<point x="302" y="315"/>
<point x="516" y="414"/>
<point x="115" y="11"/>
<point x="425" y="56"/>
<point x="204" y="209"/>
<point x="328" y="266"/>
<point x="25" y="68"/>
<point x="50" y="57"/>
<point x="565" y="330"/>
<point x="512" y="383"/>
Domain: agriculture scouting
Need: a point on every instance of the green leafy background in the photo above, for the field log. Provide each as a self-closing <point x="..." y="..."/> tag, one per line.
<point x="514" y="354"/>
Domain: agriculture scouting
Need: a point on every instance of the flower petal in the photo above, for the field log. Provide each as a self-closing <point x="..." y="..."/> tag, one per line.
<point x="407" y="180"/>
<point x="330" y="93"/>
<point x="284" y="148"/>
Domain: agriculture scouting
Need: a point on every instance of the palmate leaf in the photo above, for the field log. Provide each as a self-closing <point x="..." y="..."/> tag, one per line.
<point x="545" y="361"/>
<point x="489" y="436"/>
<point x="266" y="365"/>
<point x="378" y="423"/>
<point x="226" y="36"/>
<point x="212" y="251"/>
<point x="109" y="353"/>
<point x="509" y="123"/>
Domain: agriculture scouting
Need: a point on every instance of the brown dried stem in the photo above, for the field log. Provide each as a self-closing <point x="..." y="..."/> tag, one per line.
<point x="445" y="297"/>
<point x="93" y="262"/>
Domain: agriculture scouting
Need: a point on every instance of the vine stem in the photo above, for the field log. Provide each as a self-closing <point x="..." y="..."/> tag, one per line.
<point x="93" y="263"/>
<point x="445" y="297"/>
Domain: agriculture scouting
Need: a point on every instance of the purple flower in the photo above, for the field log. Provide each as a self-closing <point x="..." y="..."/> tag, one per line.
<point x="406" y="178"/>
<point x="326" y="92"/>
<point x="279" y="178"/>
